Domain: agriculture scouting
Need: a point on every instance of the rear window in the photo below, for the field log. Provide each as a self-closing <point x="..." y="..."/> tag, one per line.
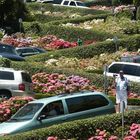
<point x="26" y="77"/>
<point x="5" y="75"/>
<point x="115" y="68"/>
<point x="86" y="103"/>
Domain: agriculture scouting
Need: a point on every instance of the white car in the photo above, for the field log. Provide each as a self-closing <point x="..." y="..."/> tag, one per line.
<point x="45" y="1"/>
<point x="131" y="70"/>
<point x="72" y="3"/>
<point x="14" y="83"/>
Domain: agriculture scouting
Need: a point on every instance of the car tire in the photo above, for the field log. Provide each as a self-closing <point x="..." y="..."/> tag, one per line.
<point x="5" y="95"/>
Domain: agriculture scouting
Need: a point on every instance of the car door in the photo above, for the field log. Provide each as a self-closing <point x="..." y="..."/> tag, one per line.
<point x="86" y="106"/>
<point x="52" y="119"/>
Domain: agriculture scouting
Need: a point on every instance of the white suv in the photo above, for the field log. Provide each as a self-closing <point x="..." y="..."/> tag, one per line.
<point x="131" y="70"/>
<point x="14" y="83"/>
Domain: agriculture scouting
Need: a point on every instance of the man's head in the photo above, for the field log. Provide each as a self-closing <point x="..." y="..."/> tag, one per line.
<point x="121" y="73"/>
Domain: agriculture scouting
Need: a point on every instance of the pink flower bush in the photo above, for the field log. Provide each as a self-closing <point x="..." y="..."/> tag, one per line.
<point x="48" y="42"/>
<point x="9" y="107"/>
<point x="59" y="83"/>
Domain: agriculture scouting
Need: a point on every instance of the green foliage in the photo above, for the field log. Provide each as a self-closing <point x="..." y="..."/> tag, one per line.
<point x="66" y="33"/>
<point x="125" y="13"/>
<point x="10" y="12"/>
<point x="80" y="129"/>
<point x="130" y="44"/>
<point x="4" y="62"/>
<point x="99" y="2"/>
<point x="138" y="13"/>
<point x="131" y="101"/>
<point x="34" y="7"/>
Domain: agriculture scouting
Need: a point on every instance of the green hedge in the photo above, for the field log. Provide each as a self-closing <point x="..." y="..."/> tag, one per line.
<point x="131" y="101"/>
<point x="66" y="33"/>
<point x="49" y="7"/>
<point x="80" y="19"/>
<point x="131" y="43"/>
<point x="80" y="129"/>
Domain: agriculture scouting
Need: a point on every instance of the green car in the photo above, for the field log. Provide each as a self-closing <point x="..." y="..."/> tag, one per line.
<point x="58" y="109"/>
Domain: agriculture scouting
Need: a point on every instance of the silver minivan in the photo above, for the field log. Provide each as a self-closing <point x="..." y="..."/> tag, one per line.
<point x="67" y="107"/>
<point x="15" y="83"/>
<point x="131" y="70"/>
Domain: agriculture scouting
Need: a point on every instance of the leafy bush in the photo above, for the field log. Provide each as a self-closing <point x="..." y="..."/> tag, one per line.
<point x="34" y="7"/>
<point x="66" y="33"/>
<point x="4" y="62"/>
<point x="130" y="44"/>
<point x="131" y="101"/>
<point x="80" y="129"/>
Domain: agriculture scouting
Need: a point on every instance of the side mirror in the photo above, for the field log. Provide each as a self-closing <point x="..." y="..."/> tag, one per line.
<point x="41" y="117"/>
<point x="21" y="54"/>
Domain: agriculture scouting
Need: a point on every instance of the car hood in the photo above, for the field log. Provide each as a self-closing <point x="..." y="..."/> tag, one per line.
<point x="12" y="127"/>
<point x="12" y="56"/>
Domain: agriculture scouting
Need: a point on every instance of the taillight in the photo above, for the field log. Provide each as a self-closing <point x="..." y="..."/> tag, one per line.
<point x="22" y="87"/>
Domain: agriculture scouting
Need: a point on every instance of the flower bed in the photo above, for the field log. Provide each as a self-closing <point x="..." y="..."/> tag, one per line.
<point x="59" y="83"/>
<point x="9" y="107"/>
<point x="48" y="42"/>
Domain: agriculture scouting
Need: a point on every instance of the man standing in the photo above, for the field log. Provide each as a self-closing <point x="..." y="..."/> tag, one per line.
<point x="122" y="89"/>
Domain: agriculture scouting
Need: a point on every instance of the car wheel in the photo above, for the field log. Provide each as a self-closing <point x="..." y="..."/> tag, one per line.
<point x="4" y="95"/>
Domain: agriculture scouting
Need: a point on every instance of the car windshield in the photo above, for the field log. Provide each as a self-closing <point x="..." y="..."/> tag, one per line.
<point x="27" y="112"/>
<point x="7" y="49"/>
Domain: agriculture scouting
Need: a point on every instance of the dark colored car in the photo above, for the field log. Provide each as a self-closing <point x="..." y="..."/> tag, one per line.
<point x="28" y="51"/>
<point x="134" y="59"/>
<point x="9" y="52"/>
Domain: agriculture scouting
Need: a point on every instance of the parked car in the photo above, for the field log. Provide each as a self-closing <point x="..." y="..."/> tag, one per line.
<point x="14" y="83"/>
<point x="69" y="107"/>
<point x="72" y="3"/>
<point x="131" y="70"/>
<point x="9" y="52"/>
<point x="28" y="51"/>
<point x="135" y="59"/>
<point x="45" y="1"/>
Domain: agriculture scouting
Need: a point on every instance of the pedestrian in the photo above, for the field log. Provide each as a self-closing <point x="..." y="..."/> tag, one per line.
<point x="122" y="91"/>
<point x="79" y="42"/>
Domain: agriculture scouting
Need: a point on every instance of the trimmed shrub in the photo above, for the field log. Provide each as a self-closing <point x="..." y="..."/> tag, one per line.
<point x="80" y="129"/>
<point x="131" y="101"/>
<point x="66" y="33"/>
<point x="49" y="7"/>
<point x="4" y="62"/>
<point x="130" y="44"/>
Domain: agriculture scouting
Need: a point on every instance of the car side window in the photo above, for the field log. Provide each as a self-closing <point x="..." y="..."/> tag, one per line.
<point x="72" y="3"/>
<point x="84" y="103"/>
<point x="130" y="70"/>
<point x="5" y="75"/>
<point x="26" y="77"/>
<point x="115" y="68"/>
<point x="66" y="2"/>
<point x="53" y="109"/>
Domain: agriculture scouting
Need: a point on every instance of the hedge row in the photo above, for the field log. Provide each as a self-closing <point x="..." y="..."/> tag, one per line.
<point x="81" y="129"/>
<point x="131" y="101"/>
<point x="131" y="43"/>
<point x="56" y="20"/>
<point x="66" y="33"/>
<point x="49" y="7"/>
<point x="80" y="19"/>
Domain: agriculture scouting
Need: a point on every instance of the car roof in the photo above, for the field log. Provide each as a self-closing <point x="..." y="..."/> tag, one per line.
<point x="10" y="69"/>
<point x="26" y="47"/>
<point x="69" y="95"/>
<point x="128" y="63"/>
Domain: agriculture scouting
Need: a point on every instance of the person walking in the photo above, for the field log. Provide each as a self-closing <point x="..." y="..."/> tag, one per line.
<point x="122" y="91"/>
